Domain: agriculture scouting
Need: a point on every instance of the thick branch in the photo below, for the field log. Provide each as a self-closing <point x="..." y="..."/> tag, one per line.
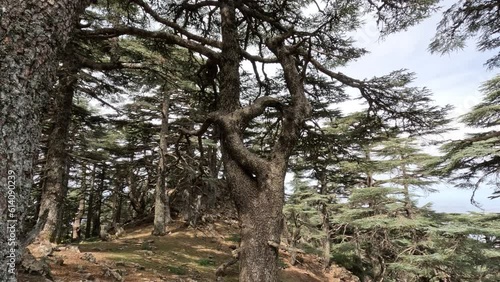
<point x="338" y="76"/>
<point x="300" y="108"/>
<point x="106" y="66"/>
<point x="254" y="110"/>
<point x="167" y="37"/>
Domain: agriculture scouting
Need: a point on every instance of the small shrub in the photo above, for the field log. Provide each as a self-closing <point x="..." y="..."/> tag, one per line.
<point x="234" y="238"/>
<point x="206" y="262"/>
<point x="282" y="264"/>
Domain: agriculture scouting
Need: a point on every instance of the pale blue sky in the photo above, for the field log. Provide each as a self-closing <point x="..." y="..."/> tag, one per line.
<point x="453" y="78"/>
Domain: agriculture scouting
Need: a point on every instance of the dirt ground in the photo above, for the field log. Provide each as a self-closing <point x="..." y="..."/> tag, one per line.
<point x="185" y="254"/>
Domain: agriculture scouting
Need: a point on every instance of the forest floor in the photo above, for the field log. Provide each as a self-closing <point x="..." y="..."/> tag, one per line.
<point x="185" y="254"/>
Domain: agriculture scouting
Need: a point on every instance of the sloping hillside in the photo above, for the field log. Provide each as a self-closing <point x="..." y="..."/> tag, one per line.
<point x="185" y="254"/>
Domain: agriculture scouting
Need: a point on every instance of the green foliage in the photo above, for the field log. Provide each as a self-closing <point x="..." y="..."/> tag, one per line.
<point x="469" y="19"/>
<point x="282" y="264"/>
<point x="475" y="160"/>
<point x="235" y="237"/>
<point x="178" y="270"/>
<point x="207" y="262"/>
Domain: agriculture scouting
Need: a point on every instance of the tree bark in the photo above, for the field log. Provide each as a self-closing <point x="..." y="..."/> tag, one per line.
<point x="162" y="207"/>
<point x="32" y="32"/>
<point x="90" y="205"/>
<point x="96" y="219"/>
<point x="117" y="200"/>
<point x="406" y="190"/>
<point x="257" y="184"/>
<point x="62" y="217"/>
<point x="57" y="158"/>
<point x="77" y="222"/>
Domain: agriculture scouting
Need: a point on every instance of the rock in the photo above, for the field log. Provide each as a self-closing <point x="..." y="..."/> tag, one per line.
<point x="80" y="269"/>
<point x="137" y="266"/>
<point x="59" y="260"/>
<point x="145" y="252"/>
<point x="35" y="267"/>
<point x="146" y="246"/>
<point x="89" y="257"/>
<point x="73" y="249"/>
<point x="88" y="276"/>
<point x="108" y="272"/>
<point x="45" y="249"/>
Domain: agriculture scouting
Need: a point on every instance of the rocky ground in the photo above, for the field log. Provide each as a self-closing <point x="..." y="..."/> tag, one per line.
<point x="185" y="254"/>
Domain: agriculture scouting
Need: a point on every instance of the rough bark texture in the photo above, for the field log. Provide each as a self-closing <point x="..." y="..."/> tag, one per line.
<point x="57" y="157"/>
<point x="32" y="32"/>
<point x="162" y="207"/>
<point x="257" y="184"/>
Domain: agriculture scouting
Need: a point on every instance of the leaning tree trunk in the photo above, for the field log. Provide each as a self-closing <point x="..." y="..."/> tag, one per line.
<point x="162" y="207"/>
<point x="57" y="156"/>
<point x="32" y="32"/>
<point x="257" y="183"/>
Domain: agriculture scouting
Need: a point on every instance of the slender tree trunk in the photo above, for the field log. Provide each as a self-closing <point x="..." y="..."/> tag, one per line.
<point x="90" y="205"/>
<point x="57" y="158"/>
<point x="406" y="191"/>
<point x="117" y="201"/>
<point x="63" y="218"/>
<point x="32" y="32"/>
<point x="40" y="187"/>
<point x="325" y="224"/>
<point x="162" y="207"/>
<point x="326" y="239"/>
<point x="96" y="220"/>
<point x="77" y="222"/>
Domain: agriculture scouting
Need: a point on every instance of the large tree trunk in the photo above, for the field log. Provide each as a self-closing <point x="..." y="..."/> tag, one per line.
<point x="162" y="207"/>
<point x="32" y="32"/>
<point x="257" y="183"/>
<point x="260" y="210"/>
<point x="57" y="158"/>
